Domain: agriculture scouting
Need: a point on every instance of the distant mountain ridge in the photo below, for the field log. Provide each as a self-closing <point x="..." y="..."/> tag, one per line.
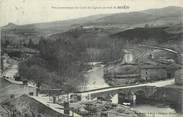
<point x="150" y="14"/>
<point x="143" y="16"/>
<point x="116" y="22"/>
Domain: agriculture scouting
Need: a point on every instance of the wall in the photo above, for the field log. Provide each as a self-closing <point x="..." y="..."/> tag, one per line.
<point x="153" y="74"/>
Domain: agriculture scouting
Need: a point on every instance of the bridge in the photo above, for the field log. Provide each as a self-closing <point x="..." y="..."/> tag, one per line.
<point x="156" y="84"/>
<point x="160" y="48"/>
<point x="147" y="89"/>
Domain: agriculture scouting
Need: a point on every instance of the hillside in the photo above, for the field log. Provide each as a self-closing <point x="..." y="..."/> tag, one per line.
<point x="64" y="54"/>
<point x="112" y="22"/>
<point x="154" y="16"/>
<point x="167" y="36"/>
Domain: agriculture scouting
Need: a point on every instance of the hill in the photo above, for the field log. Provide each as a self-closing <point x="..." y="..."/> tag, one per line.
<point x="65" y="51"/>
<point x="63" y="56"/>
<point x="112" y="22"/>
<point x="166" y="36"/>
<point x="154" y="16"/>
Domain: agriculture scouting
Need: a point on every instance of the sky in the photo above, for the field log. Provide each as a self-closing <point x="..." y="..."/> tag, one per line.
<point x="35" y="11"/>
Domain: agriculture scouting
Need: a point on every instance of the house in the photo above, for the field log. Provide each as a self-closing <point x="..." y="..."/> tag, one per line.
<point x="157" y="70"/>
<point x="150" y="72"/>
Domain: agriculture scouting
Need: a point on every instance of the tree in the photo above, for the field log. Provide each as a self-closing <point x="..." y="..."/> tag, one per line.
<point x="6" y="43"/>
<point x="30" y="43"/>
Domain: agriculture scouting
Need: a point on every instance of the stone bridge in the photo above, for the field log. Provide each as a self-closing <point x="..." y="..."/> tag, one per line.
<point x="131" y="94"/>
<point x="121" y="93"/>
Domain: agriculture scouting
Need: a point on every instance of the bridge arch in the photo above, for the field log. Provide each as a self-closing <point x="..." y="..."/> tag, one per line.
<point x="140" y="96"/>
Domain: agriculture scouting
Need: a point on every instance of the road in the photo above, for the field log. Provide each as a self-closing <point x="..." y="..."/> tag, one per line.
<point x="161" y="48"/>
<point x="156" y="84"/>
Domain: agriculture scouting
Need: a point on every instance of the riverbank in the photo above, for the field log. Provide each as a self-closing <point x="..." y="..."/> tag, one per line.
<point x="156" y="111"/>
<point x="98" y="108"/>
<point x="170" y="95"/>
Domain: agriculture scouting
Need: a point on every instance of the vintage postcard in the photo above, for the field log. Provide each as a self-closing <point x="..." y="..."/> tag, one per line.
<point x="91" y="58"/>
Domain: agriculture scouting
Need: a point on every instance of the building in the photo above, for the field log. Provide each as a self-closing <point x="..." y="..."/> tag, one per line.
<point x="128" y="57"/>
<point x="151" y="72"/>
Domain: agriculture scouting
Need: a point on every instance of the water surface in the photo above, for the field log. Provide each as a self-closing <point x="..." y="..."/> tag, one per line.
<point x="93" y="78"/>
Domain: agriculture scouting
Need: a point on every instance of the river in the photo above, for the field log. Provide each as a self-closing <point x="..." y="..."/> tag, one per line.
<point x="93" y="78"/>
<point x="10" y="72"/>
<point x="156" y="111"/>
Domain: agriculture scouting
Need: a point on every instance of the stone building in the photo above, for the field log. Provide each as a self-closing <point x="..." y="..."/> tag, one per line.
<point x="149" y="72"/>
<point x="128" y="57"/>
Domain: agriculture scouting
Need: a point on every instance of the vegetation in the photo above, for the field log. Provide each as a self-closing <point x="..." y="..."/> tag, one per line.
<point x="71" y="44"/>
<point x="63" y="56"/>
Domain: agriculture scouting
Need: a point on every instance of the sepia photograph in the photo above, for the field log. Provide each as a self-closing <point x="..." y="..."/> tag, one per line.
<point x="91" y="58"/>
